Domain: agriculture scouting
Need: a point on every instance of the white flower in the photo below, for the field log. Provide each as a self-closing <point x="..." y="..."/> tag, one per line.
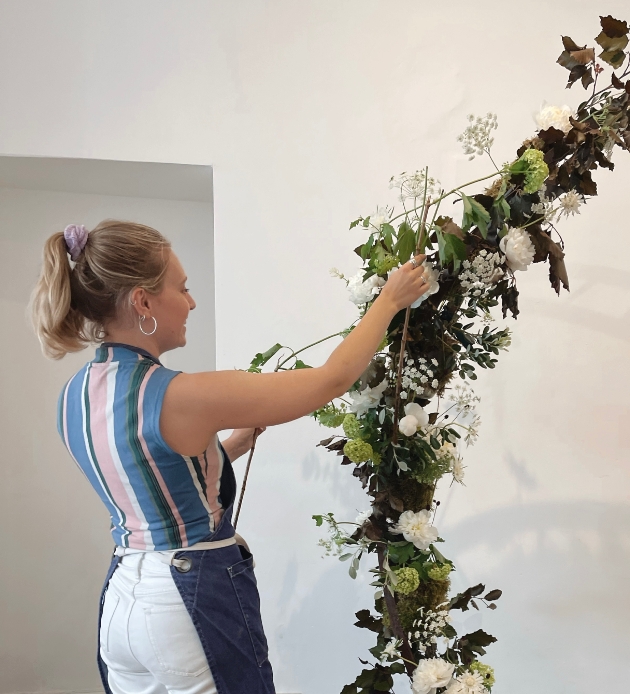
<point x="408" y="425"/>
<point x="361" y="292"/>
<point x="554" y="116"/>
<point x="431" y="674"/>
<point x="570" y="204"/>
<point x="457" y="469"/>
<point x="391" y="650"/>
<point x="362" y="517"/>
<point x="412" y="185"/>
<point x="380" y="217"/>
<point x="366" y="399"/>
<point x="416" y="528"/>
<point x="476" y="139"/>
<point x="418" y="412"/>
<point x="467" y="683"/>
<point x="518" y="248"/>
<point x="431" y="277"/>
<point x="415" y="417"/>
<point x="336" y="273"/>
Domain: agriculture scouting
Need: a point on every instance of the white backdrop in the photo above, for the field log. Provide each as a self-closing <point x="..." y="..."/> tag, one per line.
<point x="305" y="109"/>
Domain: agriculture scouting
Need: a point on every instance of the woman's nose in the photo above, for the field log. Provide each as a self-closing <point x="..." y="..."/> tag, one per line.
<point x="191" y="302"/>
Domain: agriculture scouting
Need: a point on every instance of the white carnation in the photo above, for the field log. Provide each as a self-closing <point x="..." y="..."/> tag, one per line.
<point x="416" y="528"/>
<point x="431" y="674"/>
<point x="431" y="277"/>
<point x="518" y="248"/>
<point x="363" y="291"/>
<point x="554" y="116"/>
<point x="366" y="399"/>
<point x="467" y="683"/>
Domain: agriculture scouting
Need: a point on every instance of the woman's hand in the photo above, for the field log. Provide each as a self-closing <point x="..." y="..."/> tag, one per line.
<point x="406" y="284"/>
<point x="241" y="442"/>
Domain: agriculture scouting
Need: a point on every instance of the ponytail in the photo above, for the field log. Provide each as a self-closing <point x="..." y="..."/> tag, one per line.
<point x="70" y="305"/>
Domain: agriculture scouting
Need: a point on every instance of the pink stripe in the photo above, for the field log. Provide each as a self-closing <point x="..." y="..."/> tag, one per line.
<point x="97" y="394"/>
<point x="151" y="461"/>
<point x="212" y="474"/>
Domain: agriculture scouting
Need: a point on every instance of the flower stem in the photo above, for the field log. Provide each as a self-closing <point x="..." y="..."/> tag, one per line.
<point x="302" y="349"/>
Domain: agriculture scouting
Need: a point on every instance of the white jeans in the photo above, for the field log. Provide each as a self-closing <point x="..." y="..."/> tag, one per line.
<point x="148" y="640"/>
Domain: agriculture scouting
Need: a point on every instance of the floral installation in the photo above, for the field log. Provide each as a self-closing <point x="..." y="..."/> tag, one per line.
<point x="404" y="424"/>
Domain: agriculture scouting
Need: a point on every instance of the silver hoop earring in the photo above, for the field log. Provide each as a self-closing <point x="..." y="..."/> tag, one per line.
<point x="141" y="320"/>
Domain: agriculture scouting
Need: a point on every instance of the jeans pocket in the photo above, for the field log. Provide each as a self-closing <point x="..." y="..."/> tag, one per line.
<point x="244" y="582"/>
<point x="107" y="617"/>
<point x="175" y="641"/>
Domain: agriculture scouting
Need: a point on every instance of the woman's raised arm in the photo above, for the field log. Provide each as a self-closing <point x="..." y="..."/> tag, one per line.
<point x="197" y="406"/>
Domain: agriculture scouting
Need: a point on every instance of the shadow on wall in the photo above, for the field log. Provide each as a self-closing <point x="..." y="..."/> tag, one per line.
<point x="564" y="570"/>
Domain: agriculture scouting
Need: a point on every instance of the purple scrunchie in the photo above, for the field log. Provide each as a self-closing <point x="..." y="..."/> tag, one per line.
<point x="76" y="236"/>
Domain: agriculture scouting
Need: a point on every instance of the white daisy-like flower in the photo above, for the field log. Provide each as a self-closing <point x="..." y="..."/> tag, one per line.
<point x="554" y="117"/>
<point x="467" y="683"/>
<point x="391" y="650"/>
<point x="362" y="517"/>
<point x="366" y="399"/>
<point x="363" y="291"/>
<point x="518" y="248"/>
<point x="570" y="204"/>
<point x="457" y="469"/>
<point x="435" y="383"/>
<point x="431" y="674"/>
<point x="416" y="528"/>
<point x="380" y="217"/>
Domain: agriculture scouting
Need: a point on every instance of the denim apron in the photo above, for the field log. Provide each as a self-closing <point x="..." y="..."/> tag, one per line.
<point x="219" y="590"/>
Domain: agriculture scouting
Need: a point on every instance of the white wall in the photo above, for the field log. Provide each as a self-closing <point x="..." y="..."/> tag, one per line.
<point x="305" y="109"/>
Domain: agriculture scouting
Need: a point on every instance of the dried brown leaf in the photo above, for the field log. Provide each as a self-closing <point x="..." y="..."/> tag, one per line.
<point x="613" y="27"/>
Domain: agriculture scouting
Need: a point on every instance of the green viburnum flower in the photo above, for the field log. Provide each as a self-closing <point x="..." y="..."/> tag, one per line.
<point x="376" y="458"/>
<point x="351" y="427"/>
<point x="408" y="580"/>
<point x="358" y="451"/>
<point x="439" y="572"/>
<point x="485" y="671"/>
<point x="387" y="263"/>
<point x="536" y="171"/>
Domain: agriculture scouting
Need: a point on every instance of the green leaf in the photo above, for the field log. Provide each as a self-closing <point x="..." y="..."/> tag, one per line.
<point x="406" y="243"/>
<point x="318" y="520"/>
<point x="262" y="358"/>
<point x="356" y="221"/>
<point x="387" y="232"/>
<point x="451" y="249"/>
<point x="299" y="364"/>
<point x="475" y="214"/>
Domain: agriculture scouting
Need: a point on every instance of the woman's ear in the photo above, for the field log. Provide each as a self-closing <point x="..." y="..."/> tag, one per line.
<point x="139" y="301"/>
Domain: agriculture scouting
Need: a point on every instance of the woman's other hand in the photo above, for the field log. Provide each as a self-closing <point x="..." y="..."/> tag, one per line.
<point x="241" y="441"/>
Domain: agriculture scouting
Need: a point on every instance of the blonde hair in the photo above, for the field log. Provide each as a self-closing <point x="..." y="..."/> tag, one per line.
<point x="71" y="305"/>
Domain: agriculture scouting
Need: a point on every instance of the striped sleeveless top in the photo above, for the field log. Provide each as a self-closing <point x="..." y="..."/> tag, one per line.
<point x="109" y="420"/>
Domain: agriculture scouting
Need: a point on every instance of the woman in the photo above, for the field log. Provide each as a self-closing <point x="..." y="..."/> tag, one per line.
<point x="180" y="608"/>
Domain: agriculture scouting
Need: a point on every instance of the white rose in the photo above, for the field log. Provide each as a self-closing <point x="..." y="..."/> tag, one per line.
<point x="518" y="248"/>
<point x="431" y="277"/>
<point x="554" y="116"/>
<point x="361" y="292"/>
<point x="416" y="528"/>
<point x="418" y="412"/>
<point x="408" y="425"/>
<point x="431" y="674"/>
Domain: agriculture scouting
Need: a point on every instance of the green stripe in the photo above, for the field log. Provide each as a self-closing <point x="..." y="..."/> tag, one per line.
<point x="101" y="477"/>
<point x="198" y="470"/>
<point x="162" y="508"/>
